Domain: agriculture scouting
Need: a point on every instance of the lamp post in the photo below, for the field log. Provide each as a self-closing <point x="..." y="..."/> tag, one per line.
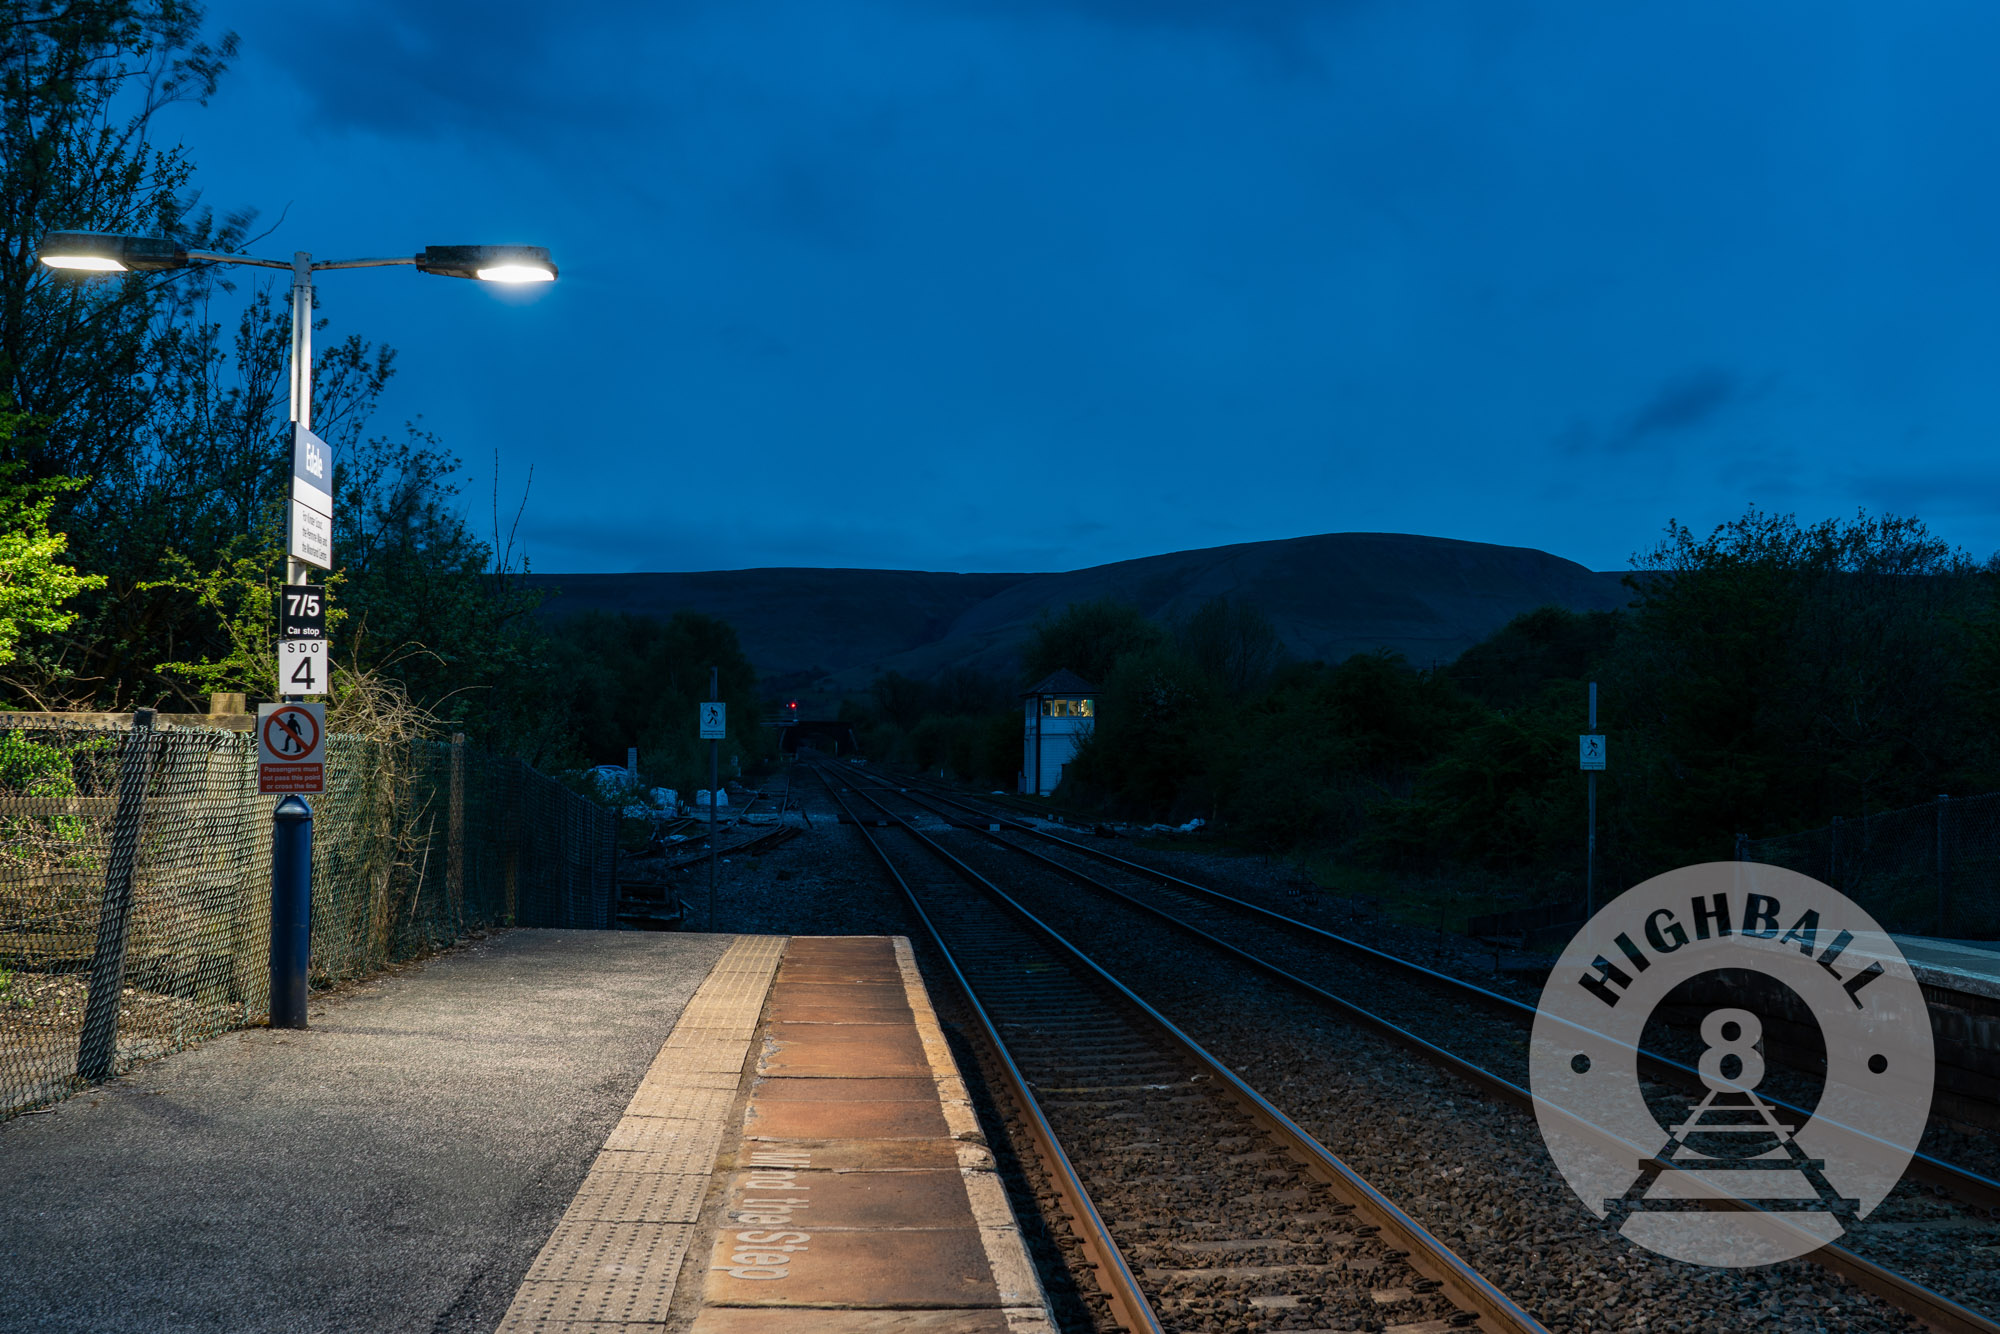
<point x="101" y="252"/>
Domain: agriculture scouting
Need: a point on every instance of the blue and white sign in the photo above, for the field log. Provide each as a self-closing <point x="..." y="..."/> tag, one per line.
<point x="311" y="529"/>
<point x="1590" y="751"/>
<point x="312" y="471"/>
<point x="714" y="721"/>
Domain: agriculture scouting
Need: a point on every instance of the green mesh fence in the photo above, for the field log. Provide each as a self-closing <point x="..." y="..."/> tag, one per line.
<point x="144" y="856"/>
<point x="1929" y="870"/>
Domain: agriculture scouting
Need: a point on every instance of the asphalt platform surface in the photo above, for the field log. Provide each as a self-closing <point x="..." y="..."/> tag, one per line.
<point x="394" y="1167"/>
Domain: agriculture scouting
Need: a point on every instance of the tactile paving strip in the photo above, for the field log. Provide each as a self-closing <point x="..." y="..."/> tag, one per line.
<point x="651" y="1134"/>
<point x="710" y="1055"/>
<point x="588" y="1250"/>
<point x="684" y="1159"/>
<point x="638" y="1197"/>
<point x="682" y="1103"/>
<point x="564" y="1308"/>
<point x="615" y="1258"/>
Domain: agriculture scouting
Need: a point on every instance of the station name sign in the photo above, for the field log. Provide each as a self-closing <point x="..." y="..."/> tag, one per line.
<point x="312" y="499"/>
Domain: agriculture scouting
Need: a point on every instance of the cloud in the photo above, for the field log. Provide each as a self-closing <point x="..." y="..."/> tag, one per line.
<point x="504" y="68"/>
<point x="1681" y="404"/>
<point x="1949" y="488"/>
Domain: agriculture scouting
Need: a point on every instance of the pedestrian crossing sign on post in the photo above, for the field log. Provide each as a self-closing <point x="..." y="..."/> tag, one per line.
<point x="1590" y="751"/>
<point x="714" y="721"/>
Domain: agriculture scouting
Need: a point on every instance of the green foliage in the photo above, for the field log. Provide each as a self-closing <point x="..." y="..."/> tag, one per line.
<point x="1768" y="676"/>
<point x="1516" y="664"/>
<point x="964" y="722"/>
<point x="983" y="749"/>
<point x="900" y="700"/>
<point x="29" y="768"/>
<point x="1149" y="745"/>
<point x="1312" y="757"/>
<point x="1785" y="674"/>
<point x="175" y="419"/>
<point x="114" y="375"/>
<point x="34" y="580"/>
<point x="620" y="680"/>
<point x="1232" y="642"/>
<point x="1488" y="800"/>
<point x="37" y="770"/>
<point x="1088" y="638"/>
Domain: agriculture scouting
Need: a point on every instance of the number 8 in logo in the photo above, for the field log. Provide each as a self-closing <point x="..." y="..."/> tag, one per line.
<point x="1731" y="1035"/>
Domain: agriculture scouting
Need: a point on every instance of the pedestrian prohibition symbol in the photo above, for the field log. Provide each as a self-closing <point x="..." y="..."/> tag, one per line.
<point x="291" y="747"/>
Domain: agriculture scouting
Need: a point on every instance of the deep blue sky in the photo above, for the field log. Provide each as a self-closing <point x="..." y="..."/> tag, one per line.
<point x="1037" y="284"/>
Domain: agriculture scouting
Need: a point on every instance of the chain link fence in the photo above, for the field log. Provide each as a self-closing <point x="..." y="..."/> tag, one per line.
<point x="1929" y="870"/>
<point x="135" y="881"/>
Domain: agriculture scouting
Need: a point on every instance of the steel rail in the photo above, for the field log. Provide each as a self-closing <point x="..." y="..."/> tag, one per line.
<point x="1906" y="1294"/>
<point x="1467" y="1288"/>
<point x="1971" y="1187"/>
<point x="1129" y="1306"/>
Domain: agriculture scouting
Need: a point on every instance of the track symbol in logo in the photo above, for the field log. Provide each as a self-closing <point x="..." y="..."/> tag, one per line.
<point x="1733" y="1174"/>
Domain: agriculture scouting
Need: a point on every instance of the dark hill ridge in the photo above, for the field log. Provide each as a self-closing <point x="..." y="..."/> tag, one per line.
<point x="1428" y="598"/>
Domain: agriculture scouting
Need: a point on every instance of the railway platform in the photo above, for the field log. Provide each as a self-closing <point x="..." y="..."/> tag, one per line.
<point x="801" y="1155"/>
<point x="578" y="1131"/>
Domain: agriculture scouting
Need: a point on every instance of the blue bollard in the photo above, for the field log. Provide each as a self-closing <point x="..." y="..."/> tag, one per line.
<point x="291" y="910"/>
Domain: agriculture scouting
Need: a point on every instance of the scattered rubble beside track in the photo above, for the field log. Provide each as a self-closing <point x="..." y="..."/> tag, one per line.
<point x="1250" y="1222"/>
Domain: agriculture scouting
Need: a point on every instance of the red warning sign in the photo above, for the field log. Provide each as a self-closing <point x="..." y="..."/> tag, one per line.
<point x="291" y="747"/>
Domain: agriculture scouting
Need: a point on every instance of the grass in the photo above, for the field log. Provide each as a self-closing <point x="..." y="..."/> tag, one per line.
<point x="1427" y="901"/>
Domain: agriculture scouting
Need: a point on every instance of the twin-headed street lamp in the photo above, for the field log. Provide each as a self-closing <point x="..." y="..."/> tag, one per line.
<point x="105" y="252"/>
<point x="310" y="533"/>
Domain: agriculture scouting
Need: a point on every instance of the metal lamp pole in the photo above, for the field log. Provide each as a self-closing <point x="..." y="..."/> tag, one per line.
<point x="300" y="370"/>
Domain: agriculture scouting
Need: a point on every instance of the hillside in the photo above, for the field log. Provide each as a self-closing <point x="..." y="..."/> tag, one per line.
<point x="1428" y="598"/>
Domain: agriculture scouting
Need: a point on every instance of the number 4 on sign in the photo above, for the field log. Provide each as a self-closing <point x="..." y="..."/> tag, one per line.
<point x="302" y="667"/>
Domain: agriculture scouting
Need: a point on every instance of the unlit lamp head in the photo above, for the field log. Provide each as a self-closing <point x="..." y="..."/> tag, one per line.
<point x="489" y="263"/>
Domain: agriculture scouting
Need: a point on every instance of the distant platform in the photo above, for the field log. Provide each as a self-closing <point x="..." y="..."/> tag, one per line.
<point x="1969" y="966"/>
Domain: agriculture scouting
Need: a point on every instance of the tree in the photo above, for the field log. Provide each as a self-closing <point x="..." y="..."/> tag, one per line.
<point x="1148" y="742"/>
<point x="616" y="680"/>
<point x="1515" y="665"/>
<point x="902" y="700"/>
<point x="1088" y="638"/>
<point x="1234" y="642"/>
<point x="1785" y="673"/>
<point x="96" y="366"/>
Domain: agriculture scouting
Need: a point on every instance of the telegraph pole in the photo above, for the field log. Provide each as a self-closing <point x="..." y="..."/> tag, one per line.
<point x="1591" y="756"/>
<point x="712" y="725"/>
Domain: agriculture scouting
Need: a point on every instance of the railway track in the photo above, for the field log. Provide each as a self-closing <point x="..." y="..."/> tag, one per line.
<point x="1229" y="922"/>
<point x="650" y="902"/>
<point x="1224" y="923"/>
<point x="1150" y="1140"/>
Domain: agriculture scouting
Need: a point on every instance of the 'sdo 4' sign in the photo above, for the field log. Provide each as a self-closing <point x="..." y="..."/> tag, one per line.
<point x="302" y="666"/>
